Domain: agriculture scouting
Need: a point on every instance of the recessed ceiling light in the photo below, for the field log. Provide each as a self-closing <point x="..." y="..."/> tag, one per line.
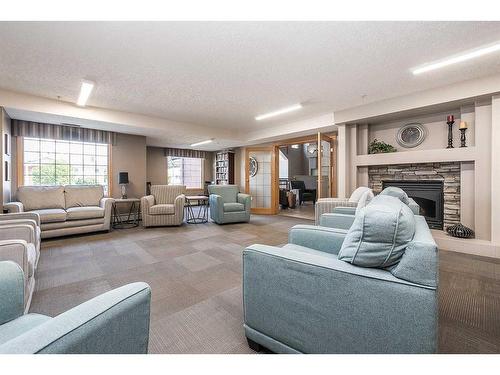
<point x="279" y="112"/>
<point x="85" y="91"/>
<point x="202" y="143"/>
<point x="458" y="58"/>
<point x="295" y="146"/>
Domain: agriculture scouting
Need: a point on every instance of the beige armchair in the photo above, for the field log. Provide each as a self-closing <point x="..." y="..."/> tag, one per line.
<point x="164" y="207"/>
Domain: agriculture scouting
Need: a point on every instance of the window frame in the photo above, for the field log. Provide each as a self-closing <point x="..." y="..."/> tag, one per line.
<point x="20" y="177"/>
<point x="202" y="174"/>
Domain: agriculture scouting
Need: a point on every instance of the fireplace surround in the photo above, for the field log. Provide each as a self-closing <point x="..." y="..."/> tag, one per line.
<point x="446" y="173"/>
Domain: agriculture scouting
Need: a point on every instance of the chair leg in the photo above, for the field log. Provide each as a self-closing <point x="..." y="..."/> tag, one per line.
<point x="253" y="345"/>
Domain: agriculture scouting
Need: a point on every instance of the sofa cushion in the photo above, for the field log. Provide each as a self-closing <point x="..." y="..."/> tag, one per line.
<point x="380" y="233"/>
<point x="166" y="194"/>
<point x="51" y="215"/>
<point x="81" y="213"/>
<point x="83" y="195"/>
<point x="72" y="224"/>
<point x="229" y="193"/>
<point x="396" y="192"/>
<point x="162" y="209"/>
<point x="18" y="326"/>
<point x="358" y="193"/>
<point x="234" y="207"/>
<point x="419" y="263"/>
<point x="41" y="197"/>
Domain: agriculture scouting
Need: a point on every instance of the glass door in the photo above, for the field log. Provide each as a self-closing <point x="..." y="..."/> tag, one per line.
<point x="325" y="171"/>
<point x="260" y="179"/>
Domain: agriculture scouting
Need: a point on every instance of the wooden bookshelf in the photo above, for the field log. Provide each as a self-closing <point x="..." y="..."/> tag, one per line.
<point x="224" y="168"/>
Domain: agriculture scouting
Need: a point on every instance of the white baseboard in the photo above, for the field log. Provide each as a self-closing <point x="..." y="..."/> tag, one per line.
<point x="467" y="246"/>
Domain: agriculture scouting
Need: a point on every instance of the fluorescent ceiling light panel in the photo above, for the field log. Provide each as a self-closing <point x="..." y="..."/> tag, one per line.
<point x="85" y="91"/>
<point x="202" y="143"/>
<point x="295" y="146"/>
<point x="458" y="58"/>
<point x="279" y="112"/>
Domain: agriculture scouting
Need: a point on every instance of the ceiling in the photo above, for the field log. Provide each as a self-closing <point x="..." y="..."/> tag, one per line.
<point x="221" y="74"/>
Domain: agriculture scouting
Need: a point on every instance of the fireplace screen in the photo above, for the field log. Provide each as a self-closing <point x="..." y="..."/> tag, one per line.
<point x="428" y="195"/>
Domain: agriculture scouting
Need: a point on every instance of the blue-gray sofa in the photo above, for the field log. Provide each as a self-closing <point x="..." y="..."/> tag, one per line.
<point x="306" y="298"/>
<point x="228" y="205"/>
<point x="116" y="322"/>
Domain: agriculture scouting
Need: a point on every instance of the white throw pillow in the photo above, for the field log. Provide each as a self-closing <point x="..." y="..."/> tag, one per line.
<point x="364" y="200"/>
<point x="356" y="194"/>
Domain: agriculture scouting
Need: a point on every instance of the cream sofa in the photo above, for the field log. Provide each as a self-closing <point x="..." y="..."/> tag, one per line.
<point x="65" y="210"/>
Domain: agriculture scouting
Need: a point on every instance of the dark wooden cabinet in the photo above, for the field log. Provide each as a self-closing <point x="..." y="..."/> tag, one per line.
<point x="224" y="168"/>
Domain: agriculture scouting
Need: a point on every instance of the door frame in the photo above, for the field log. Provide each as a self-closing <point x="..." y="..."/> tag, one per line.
<point x="273" y="210"/>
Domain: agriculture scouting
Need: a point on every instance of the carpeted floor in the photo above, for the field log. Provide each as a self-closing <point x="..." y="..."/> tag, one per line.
<point x="195" y="275"/>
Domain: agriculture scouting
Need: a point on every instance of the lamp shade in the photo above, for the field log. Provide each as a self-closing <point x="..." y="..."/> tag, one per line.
<point x="123" y="177"/>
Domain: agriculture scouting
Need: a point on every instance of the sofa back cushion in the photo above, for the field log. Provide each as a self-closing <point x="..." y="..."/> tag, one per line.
<point x="41" y="197"/>
<point x="380" y="233"/>
<point x="83" y="195"/>
<point x="364" y="200"/>
<point x="396" y="192"/>
<point x="229" y="193"/>
<point x="166" y="194"/>
<point x="419" y="263"/>
<point x="358" y="193"/>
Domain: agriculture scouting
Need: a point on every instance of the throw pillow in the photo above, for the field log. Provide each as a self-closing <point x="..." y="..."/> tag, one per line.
<point x="396" y="192"/>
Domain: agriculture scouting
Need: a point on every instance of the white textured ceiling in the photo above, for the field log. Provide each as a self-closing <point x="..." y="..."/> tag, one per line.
<point x="222" y="74"/>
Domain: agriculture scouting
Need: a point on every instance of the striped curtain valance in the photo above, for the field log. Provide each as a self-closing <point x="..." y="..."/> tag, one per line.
<point x="186" y="153"/>
<point x="21" y="128"/>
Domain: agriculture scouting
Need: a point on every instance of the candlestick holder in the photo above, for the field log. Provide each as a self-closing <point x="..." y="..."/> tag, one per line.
<point x="462" y="137"/>
<point x="450" y="133"/>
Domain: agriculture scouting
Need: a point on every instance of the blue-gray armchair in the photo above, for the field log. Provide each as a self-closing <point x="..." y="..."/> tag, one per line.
<point x="301" y="298"/>
<point x="228" y="205"/>
<point x="116" y="322"/>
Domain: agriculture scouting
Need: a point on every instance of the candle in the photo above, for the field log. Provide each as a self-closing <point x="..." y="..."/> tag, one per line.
<point x="450" y="118"/>
<point x="463" y="125"/>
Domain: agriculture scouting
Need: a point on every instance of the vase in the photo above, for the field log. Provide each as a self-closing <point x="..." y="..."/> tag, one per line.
<point x="460" y="231"/>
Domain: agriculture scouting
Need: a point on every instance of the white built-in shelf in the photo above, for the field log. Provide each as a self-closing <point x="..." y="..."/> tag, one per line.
<point x="418" y="156"/>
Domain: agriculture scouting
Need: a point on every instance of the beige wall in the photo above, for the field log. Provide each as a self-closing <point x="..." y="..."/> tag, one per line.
<point x="129" y="155"/>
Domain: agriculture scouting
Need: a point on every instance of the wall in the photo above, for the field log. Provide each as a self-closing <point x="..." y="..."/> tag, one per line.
<point x="5" y="186"/>
<point x="298" y="163"/>
<point x="129" y="155"/>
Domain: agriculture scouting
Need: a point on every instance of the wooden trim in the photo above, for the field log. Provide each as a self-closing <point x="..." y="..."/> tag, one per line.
<point x="263" y="211"/>
<point x="19" y="161"/>
<point x="333" y="166"/>
<point x="110" y="170"/>
<point x="320" y="156"/>
<point x="274" y="180"/>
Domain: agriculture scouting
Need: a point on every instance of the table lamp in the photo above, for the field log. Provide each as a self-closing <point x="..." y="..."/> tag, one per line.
<point x="123" y="181"/>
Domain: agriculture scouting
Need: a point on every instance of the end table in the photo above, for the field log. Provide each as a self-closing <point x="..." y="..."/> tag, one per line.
<point x="133" y="213"/>
<point x="193" y="200"/>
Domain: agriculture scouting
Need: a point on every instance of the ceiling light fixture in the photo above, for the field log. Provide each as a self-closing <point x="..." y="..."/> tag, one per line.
<point x="202" y="143"/>
<point x="458" y="58"/>
<point x="279" y="112"/>
<point x="85" y="91"/>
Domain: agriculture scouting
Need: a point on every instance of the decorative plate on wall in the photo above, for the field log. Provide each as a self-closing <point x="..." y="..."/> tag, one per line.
<point x="254" y="166"/>
<point x="411" y="135"/>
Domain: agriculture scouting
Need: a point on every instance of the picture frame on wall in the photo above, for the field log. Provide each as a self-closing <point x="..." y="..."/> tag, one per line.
<point x="6" y="144"/>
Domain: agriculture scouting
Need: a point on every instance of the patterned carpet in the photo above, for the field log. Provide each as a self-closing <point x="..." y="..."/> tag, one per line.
<point x="195" y="275"/>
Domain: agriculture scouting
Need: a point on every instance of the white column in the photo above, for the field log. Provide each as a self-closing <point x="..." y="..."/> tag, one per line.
<point x="342" y="161"/>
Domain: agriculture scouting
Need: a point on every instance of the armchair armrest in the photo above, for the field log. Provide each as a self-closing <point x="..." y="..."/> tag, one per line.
<point x="18" y="232"/>
<point x="116" y="322"/>
<point x="245" y="199"/>
<point x="21" y="215"/>
<point x="107" y="204"/>
<point x="14" y="207"/>
<point x="16" y="251"/>
<point x="179" y="203"/>
<point x="29" y="222"/>
<point x="146" y="202"/>
<point x="345" y="210"/>
<point x="11" y="291"/>
<point x="338" y="221"/>
<point x="327" y="205"/>
<point x="324" y="239"/>
<point x="216" y="203"/>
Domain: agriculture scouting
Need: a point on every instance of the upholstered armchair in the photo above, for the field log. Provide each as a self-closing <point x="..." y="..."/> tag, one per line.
<point x="228" y="205"/>
<point x="304" y="194"/>
<point x="324" y="205"/>
<point x="116" y="322"/>
<point x="164" y="207"/>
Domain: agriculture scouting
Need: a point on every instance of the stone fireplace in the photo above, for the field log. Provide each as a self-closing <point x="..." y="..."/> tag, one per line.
<point x="421" y="182"/>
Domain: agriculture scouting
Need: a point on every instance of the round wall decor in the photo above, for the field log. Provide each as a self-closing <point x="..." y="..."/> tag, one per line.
<point x="411" y="135"/>
<point x="254" y="166"/>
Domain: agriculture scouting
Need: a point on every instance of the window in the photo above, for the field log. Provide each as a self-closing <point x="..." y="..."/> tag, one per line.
<point x="55" y="162"/>
<point x="185" y="171"/>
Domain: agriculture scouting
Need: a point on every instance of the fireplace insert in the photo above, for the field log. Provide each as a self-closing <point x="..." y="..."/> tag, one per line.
<point x="429" y="196"/>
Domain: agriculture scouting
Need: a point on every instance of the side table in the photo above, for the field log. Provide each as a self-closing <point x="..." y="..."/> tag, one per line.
<point x="133" y="213"/>
<point x="202" y="216"/>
